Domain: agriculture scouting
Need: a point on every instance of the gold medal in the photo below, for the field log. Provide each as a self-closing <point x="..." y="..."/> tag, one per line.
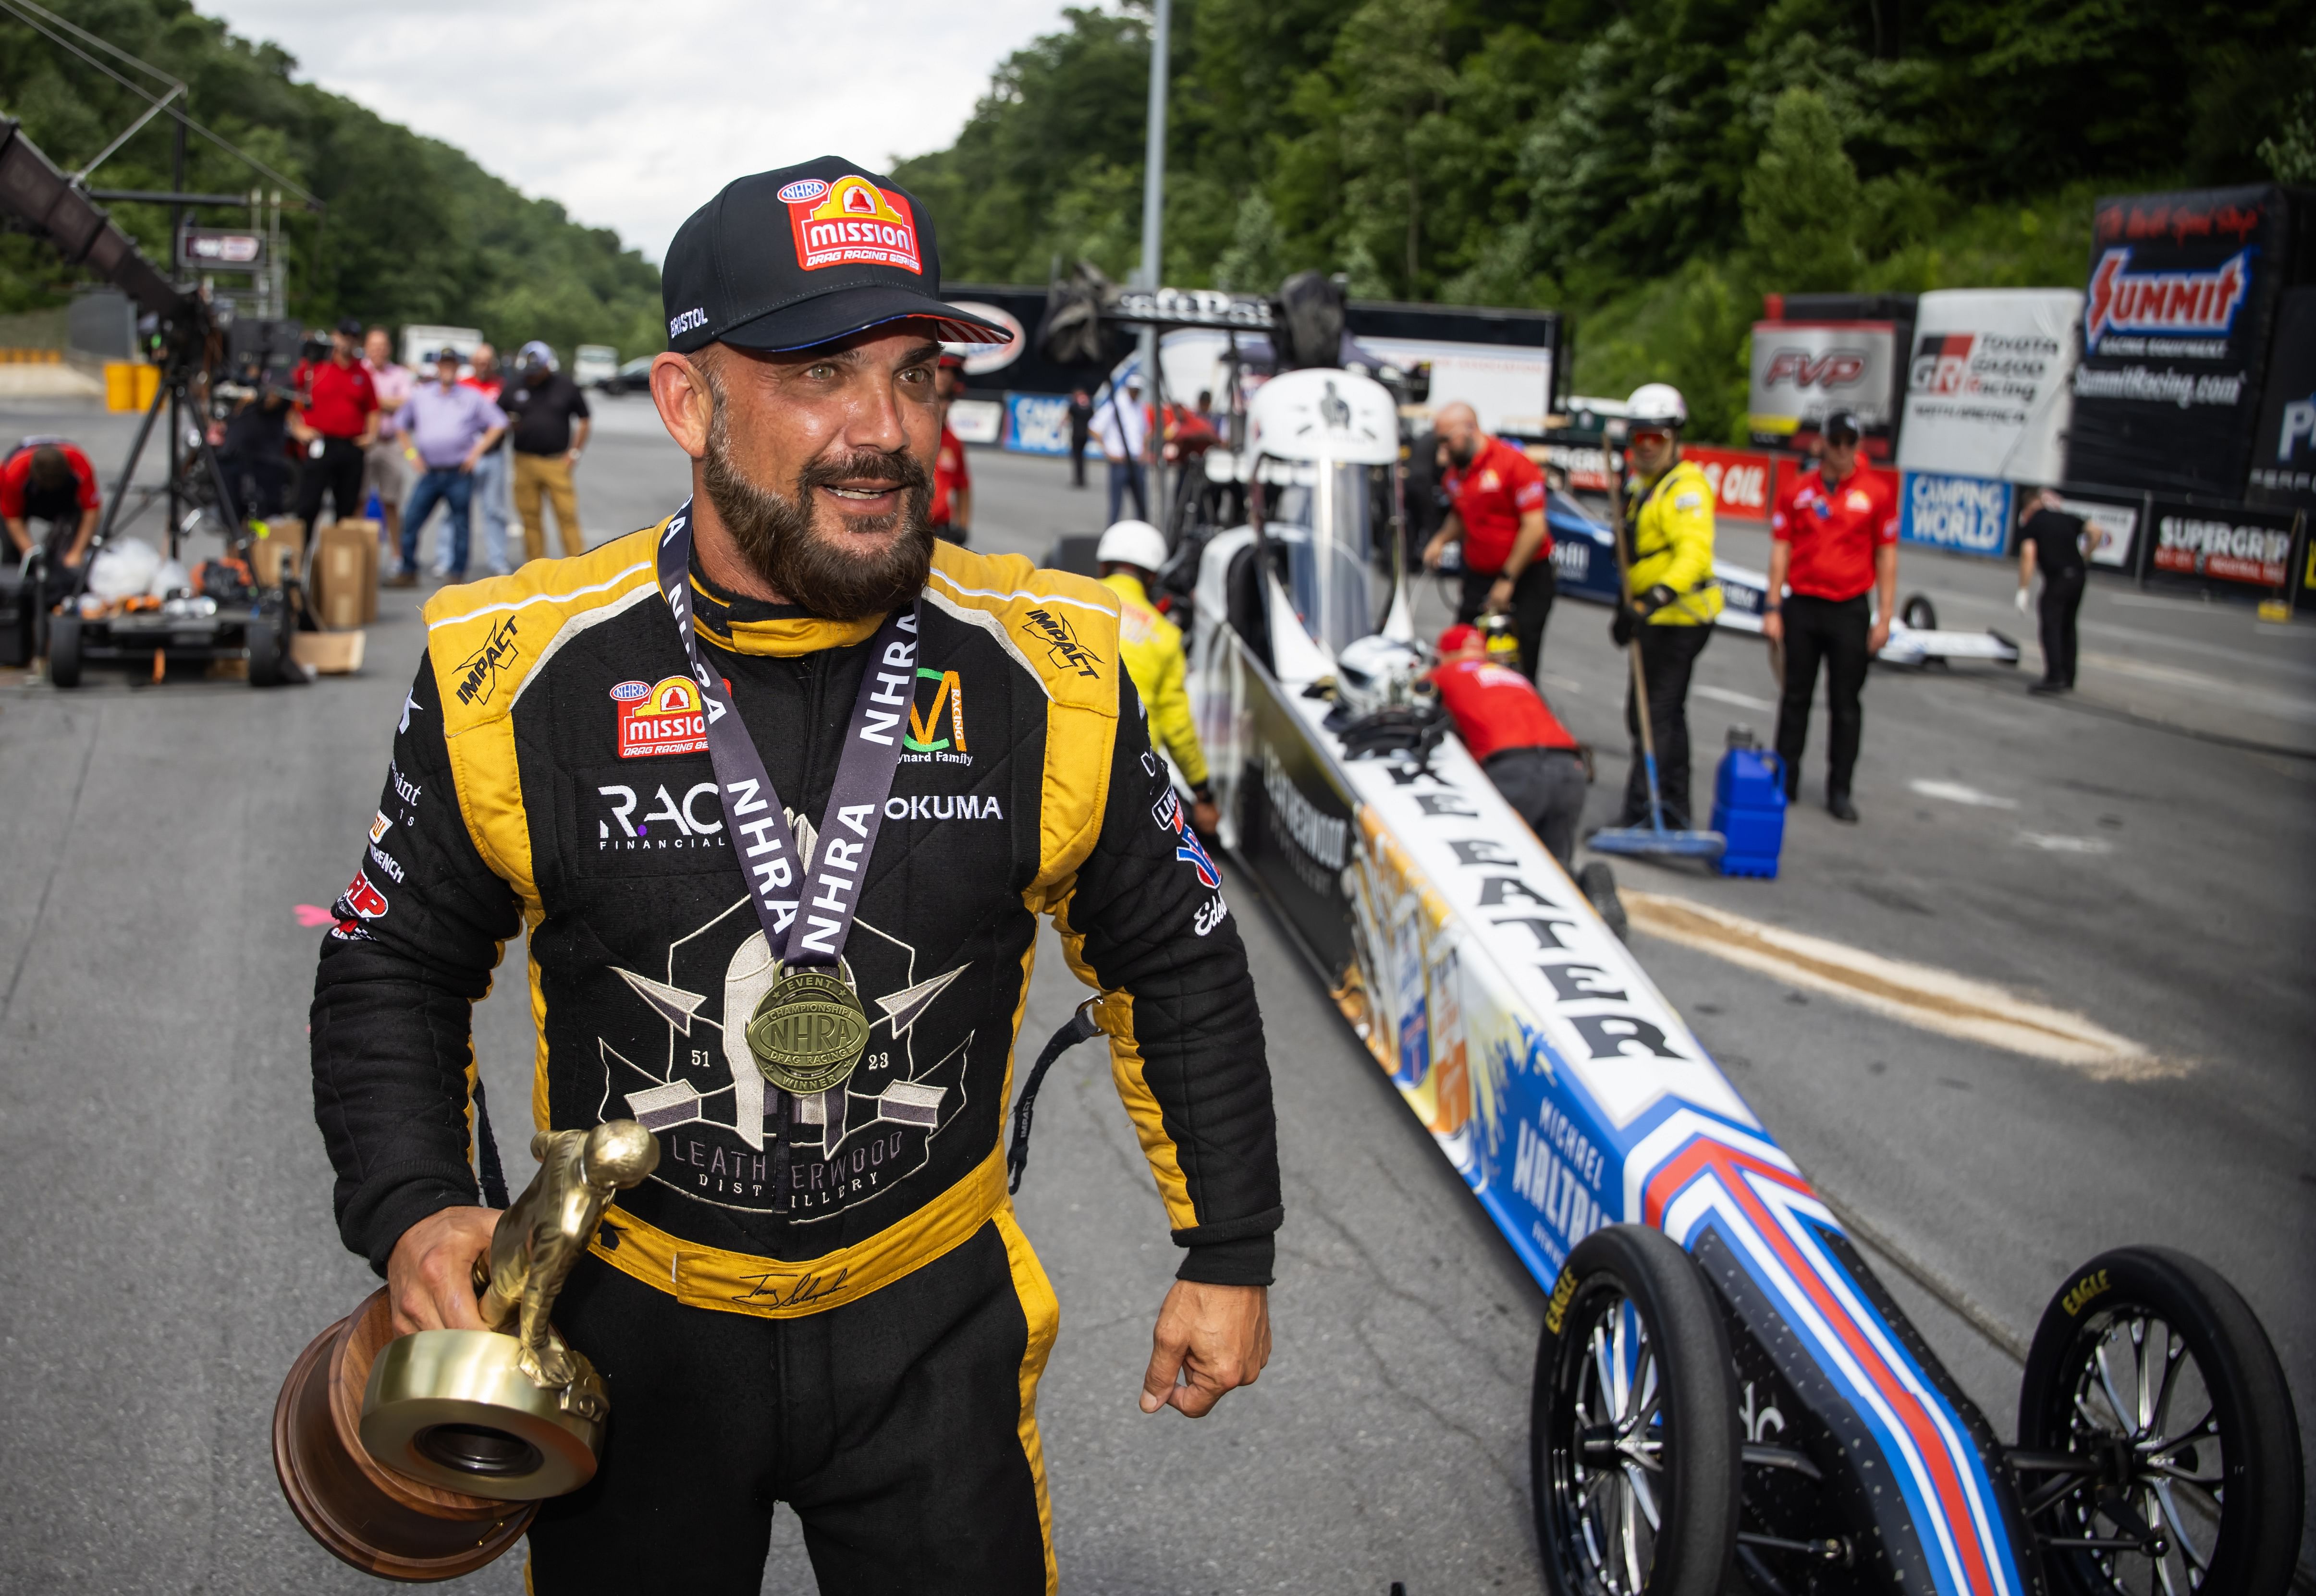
<point x="808" y="1031"/>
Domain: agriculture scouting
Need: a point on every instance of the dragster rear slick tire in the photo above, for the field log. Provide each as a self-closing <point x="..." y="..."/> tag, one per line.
<point x="2165" y="1334"/>
<point x="64" y="650"/>
<point x="1634" y="1441"/>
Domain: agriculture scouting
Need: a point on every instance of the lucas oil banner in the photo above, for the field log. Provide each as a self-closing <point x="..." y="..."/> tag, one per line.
<point x="1987" y="389"/>
<point x="2175" y="329"/>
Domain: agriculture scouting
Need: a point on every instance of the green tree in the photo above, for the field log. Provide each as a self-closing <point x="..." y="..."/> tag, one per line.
<point x="1802" y="202"/>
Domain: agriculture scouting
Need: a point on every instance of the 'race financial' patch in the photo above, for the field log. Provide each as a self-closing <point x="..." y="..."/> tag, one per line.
<point x="853" y="222"/>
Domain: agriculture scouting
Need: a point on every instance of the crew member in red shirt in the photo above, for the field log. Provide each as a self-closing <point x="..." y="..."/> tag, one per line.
<point x="50" y="480"/>
<point x="952" y="507"/>
<point x="1512" y="732"/>
<point x="337" y="423"/>
<point x="1497" y="497"/>
<point x="1835" y="540"/>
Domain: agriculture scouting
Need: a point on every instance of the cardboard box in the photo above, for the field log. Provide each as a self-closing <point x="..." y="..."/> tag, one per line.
<point x="332" y="654"/>
<point x="344" y="575"/>
<point x="276" y="547"/>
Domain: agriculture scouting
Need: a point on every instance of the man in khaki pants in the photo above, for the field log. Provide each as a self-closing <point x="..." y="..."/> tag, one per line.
<point x="549" y="426"/>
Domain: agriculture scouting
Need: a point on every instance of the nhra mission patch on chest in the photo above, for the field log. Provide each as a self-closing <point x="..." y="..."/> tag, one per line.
<point x="665" y="717"/>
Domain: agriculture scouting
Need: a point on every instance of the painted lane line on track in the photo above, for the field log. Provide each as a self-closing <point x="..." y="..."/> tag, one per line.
<point x="1918" y="995"/>
<point x="1956" y="793"/>
<point x="1726" y="696"/>
<point x="2051" y="843"/>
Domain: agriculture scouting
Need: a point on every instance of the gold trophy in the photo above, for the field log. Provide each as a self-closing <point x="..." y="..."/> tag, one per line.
<point x="425" y="1457"/>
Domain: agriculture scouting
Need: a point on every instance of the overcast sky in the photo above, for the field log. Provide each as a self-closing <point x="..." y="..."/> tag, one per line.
<point x="634" y="115"/>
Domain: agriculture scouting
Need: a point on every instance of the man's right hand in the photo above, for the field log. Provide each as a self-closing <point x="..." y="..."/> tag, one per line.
<point x="430" y="1277"/>
<point x="1773" y="626"/>
<point x="1433" y="550"/>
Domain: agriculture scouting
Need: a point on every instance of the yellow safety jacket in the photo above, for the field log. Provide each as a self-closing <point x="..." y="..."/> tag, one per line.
<point x="1151" y="647"/>
<point x="1670" y="523"/>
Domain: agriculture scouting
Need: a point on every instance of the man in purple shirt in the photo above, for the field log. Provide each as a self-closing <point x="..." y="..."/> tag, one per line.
<point x="451" y="426"/>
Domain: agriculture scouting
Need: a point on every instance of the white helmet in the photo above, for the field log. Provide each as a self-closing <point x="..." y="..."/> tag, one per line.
<point x="1657" y="405"/>
<point x="1132" y="543"/>
<point x="1375" y="672"/>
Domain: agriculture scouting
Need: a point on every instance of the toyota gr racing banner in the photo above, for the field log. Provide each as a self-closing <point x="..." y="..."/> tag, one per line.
<point x="1987" y="389"/>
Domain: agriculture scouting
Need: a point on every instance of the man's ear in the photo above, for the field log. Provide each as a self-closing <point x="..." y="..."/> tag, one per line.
<point x="687" y="406"/>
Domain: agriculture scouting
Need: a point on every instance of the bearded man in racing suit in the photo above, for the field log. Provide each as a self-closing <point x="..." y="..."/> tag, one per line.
<point x="821" y="1299"/>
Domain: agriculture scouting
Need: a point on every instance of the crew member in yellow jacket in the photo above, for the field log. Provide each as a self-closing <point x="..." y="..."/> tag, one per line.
<point x="1671" y="596"/>
<point x="1131" y="552"/>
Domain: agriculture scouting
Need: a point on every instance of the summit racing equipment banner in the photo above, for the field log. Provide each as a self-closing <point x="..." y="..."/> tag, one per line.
<point x="1804" y="370"/>
<point x="1965" y="515"/>
<point x="1987" y="390"/>
<point x="2175" y="324"/>
<point x="2284" y="447"/>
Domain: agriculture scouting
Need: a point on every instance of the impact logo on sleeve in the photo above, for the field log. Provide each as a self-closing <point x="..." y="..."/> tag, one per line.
<point x="1062" y="645"/>
<point x="852" y="221"/>
<point x="665" y="719"/>
<point x="478" y="675"/>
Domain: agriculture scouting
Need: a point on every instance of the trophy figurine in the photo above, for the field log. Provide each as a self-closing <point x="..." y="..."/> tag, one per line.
<point x="425" y="1457"/>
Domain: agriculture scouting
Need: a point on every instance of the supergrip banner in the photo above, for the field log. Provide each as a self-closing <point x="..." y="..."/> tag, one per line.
<point x="2176" y="319"/>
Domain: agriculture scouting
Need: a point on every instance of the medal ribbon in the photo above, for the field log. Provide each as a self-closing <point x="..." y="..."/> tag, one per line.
<point x="806" y="918"/>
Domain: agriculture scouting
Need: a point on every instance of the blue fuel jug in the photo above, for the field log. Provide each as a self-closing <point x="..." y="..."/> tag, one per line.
<point x="1749" y="806"/>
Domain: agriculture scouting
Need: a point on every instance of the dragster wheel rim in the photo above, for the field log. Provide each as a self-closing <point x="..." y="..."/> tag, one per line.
<point x="1607" y="1450"/>
<point x="2141" y="1411"/>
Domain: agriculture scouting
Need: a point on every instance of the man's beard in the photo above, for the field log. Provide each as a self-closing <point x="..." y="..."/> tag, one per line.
<point x="814" y="570"/>
<point x="1462" y="456"/>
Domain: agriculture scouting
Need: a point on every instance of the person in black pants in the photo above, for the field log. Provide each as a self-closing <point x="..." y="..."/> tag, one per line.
<point x="337" y="423"/>
<point x="1495" y="509"/>
<point x="1081" y="429"/>
<point x="2053" y="540"/>
<point x="1834" y="548"/>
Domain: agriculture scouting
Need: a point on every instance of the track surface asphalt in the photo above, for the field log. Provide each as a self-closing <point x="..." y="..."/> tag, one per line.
<point x="2142" y="854"/>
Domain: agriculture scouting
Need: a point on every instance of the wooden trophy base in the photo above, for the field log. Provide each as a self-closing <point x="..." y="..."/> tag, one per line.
<point x="380" y="1521"/>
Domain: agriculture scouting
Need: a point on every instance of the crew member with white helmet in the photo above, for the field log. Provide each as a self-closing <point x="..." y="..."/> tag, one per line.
<point x="1670" y="598"/>
<point x="1131" y="552"/>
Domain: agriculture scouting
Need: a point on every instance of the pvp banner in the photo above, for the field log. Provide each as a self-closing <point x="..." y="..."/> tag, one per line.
<point x="2174" y="322"/>
<point x="1803" y="371"/>
<point x="1986" y="392"/>
<point x="2284" y="447"/>
<point x="1964" y="515"/>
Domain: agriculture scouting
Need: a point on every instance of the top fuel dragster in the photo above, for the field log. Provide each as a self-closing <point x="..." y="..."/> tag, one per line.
<point x="1726" y="1396"/>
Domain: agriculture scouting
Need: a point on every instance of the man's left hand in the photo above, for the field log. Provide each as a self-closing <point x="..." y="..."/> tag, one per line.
<point x="1500" y="594"/>
<point x="1216" y="1337"/>
<point x="1879" y="635"/>
<point x="571" y="456"/>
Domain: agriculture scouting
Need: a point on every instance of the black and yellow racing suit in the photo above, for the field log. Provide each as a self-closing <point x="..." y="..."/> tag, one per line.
<point x="766" y="1341"/>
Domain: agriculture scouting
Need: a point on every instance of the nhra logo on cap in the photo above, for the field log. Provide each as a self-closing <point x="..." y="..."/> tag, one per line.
<point x="666" y="719"/>
<point x="803" y="190"/>
<point x="851" y="222"/>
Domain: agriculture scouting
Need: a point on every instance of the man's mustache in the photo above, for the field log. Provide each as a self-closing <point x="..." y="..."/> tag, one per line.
<point x="894" y="468"/>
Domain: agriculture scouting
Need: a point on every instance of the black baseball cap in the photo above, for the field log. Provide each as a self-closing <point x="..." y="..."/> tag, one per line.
<point x="351" y="326"/>
<point x="805" y="255"/>
<point x="1840" y="424"/>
